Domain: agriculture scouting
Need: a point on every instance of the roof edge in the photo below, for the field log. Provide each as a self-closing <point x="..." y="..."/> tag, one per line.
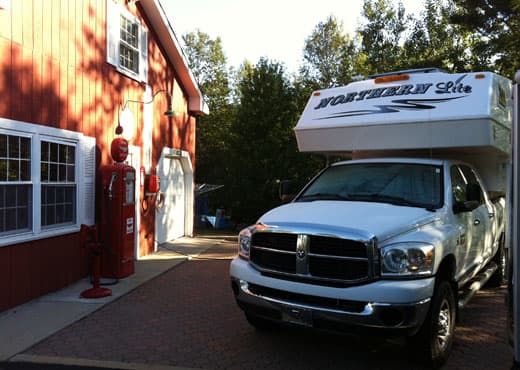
<point x="160" y="23"/>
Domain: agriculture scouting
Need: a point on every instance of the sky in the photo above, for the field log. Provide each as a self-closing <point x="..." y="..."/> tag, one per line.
<point x="276" y="29"/>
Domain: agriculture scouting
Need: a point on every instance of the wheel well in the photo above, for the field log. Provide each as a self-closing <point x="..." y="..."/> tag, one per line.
<point x="446" y="271"/>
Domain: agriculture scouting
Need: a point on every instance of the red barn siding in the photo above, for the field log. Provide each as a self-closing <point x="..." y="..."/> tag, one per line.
<point x="53" y="72"/>
<point x="39" y="267"/>
<point x="21" y="259"/>
<point x="5" y="278"/>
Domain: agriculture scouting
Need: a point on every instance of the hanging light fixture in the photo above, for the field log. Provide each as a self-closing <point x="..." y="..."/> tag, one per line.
<point x="126" y="120"/>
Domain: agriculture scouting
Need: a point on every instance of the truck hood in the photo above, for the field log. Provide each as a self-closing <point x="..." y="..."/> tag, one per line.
<point x="381" y="220"/>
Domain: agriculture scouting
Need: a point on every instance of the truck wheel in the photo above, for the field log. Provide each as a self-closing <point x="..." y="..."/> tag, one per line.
<point x="435" y="338"/>
<point x="498" y="277"/>
<point x="259" y="323"/>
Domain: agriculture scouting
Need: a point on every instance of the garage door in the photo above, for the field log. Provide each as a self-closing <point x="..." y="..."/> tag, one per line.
<point x="169" y="220"/>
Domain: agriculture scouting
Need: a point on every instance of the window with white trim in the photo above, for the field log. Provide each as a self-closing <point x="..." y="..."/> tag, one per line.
<point x="46" y="181"/>
<point x="58" y="183"/>
<point x="127" y="42"/>
<point x="15" y="184"/>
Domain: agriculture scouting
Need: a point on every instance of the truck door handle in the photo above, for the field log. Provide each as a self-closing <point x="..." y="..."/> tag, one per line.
<point x="476" y="222"/>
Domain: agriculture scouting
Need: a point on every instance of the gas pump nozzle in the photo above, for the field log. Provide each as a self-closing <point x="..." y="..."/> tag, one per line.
<point x="112" y="180"/>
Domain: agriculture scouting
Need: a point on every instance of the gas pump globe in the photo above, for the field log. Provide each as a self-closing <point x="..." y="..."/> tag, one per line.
<point x="119" y="149"/>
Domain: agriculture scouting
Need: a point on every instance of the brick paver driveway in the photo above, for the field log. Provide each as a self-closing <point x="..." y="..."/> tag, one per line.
<point x="187" y="317"/>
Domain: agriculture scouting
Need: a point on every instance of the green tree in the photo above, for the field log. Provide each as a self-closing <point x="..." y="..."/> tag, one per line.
<point x="495" y="27"/>
<point x="329" y="56"/>
<point x="264" y="141"/>
<point x="436" y="42"/>
<point x="208" y="63"/>
<point x="382" y="37"/>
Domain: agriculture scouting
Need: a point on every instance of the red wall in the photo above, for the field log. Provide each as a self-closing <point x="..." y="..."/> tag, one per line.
<point x="32" y="269"/>
<point x="53" y="72"/>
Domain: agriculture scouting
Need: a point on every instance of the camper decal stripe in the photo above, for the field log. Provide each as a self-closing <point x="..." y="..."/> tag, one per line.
<point x="398" y="106"/>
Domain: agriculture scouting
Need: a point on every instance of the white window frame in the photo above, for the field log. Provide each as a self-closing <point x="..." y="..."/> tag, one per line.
<point x="133" y="46"/>
<point x="84" y="173"/>
<point x="21" y="182"/>
<point x="75" y="183"/>
<point x="113" y="29"/>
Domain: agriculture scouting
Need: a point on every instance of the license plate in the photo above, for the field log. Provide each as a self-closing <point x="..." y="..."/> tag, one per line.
<point x="299" y="316"/>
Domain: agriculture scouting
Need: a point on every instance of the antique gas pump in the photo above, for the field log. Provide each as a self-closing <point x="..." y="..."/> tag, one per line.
<point x="117" y="213"/>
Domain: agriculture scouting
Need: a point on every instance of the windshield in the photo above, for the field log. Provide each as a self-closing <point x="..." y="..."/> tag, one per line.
<point x="407" y="184"/>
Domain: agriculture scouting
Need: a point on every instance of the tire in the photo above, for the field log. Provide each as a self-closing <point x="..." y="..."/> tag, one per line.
<point x="435" y="338"/>
<point x="499" y="276"/>
<point x="260" y="323"/>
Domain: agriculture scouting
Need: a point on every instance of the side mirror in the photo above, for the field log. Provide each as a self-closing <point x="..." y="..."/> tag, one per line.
<point x="466" y="206"/>
<point x="285" y="191"/>
<point x="473" y="192"/>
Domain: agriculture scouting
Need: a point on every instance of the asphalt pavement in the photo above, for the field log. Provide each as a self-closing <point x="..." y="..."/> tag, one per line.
<point x="185" y="317"/>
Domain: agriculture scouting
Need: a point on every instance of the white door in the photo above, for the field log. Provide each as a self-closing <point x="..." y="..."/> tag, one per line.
<point x="170" y="216"/>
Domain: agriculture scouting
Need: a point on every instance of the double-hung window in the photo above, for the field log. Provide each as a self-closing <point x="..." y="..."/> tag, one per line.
<point x="58" y="183"/>
<point x="46" y="181"/>
<point x="15" y="184"/>
<point x="127" y="42"/>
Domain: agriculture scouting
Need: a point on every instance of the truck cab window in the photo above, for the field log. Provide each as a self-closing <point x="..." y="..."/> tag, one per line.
<point x="471" y="178"/>
<point x="458" y="185"/>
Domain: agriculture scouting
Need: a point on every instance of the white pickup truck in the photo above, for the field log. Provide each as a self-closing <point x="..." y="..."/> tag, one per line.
<point x="398" y="238"/>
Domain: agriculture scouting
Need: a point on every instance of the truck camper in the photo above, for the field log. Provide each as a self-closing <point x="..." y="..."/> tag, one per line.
<point x="401" y="234"/>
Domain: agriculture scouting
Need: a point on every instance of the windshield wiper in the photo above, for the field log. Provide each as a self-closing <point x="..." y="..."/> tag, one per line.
<point x="371" y="197"/>
<point x="375" y="197"/>
<point x="322" y="196"/>
<point x="400" y="201"/>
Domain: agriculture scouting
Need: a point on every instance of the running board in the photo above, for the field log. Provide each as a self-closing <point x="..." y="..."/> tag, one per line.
<point x="479" y="281"/>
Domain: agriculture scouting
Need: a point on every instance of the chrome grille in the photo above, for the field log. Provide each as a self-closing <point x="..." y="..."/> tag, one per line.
<point x="312" y="258"/>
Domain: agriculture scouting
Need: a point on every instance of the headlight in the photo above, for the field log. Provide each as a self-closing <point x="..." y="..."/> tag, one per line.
<point x="244" y="242"/>
<point x="407" y="259"/>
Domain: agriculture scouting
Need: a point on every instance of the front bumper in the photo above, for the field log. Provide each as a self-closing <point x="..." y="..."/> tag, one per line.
<point x="362" y="308"/>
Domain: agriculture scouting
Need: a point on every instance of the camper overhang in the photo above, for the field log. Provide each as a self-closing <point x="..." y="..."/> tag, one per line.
<point x="409" y="112"/>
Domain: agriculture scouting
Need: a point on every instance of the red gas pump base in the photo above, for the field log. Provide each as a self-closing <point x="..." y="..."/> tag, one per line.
<point x="96" y="291"/>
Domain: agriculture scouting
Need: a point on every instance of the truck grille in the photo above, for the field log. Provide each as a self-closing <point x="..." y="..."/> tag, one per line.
<point x="311" y="258"/>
